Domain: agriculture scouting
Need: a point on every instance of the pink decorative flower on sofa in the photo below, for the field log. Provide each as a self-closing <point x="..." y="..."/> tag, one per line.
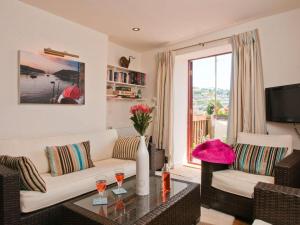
<point x="214" y="151"/>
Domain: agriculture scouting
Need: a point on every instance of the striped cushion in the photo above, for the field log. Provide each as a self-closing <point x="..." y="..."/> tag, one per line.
<point x="69" y="158"/>
<point x="126" y="147"/>
<point x="30" y="178"/>
<point x="257" y="159"/>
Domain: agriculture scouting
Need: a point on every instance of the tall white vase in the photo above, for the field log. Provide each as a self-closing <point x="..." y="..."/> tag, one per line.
<point x="142" y="168"/>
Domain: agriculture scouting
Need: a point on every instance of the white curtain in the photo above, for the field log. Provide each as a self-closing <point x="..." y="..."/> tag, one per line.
<point x="163" y="121"/>
<point x="247" y="98"/>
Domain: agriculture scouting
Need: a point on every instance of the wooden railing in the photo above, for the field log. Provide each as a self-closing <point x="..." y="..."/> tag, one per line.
<point x="202" y="127"/>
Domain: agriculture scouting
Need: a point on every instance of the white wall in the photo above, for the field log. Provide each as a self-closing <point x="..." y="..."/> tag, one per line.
<point x="24" y="27"/>
<point x="180" y="109"/>
<point x="115" y="52"/>
<point x="118" y="111"/>
<point x="117" y="115"/>
<point x="280" y="45"/>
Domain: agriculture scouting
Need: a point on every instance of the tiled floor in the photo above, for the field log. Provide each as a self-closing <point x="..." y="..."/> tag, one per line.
<point x="213" y="217"/>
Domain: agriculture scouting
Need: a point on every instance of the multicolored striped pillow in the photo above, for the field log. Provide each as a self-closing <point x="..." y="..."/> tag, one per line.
<point x="257" y="159"/>
<point x="30" y="179"/>
<point x="126" y="147"/>
<point x="69" y="158"/>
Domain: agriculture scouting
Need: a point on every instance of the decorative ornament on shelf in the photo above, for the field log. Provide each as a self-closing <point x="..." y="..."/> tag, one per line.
<point x="124" y="62"/>
<point x="141" y="117"/>
<point x="214" y="151"/>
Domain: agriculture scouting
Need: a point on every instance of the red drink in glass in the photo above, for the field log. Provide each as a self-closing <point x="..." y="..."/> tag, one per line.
<point x="101" y="185"/>
<point x="119" y="178"/>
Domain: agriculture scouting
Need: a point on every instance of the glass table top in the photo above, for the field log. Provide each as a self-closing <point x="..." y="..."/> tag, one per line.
<point x="128" y="208"/>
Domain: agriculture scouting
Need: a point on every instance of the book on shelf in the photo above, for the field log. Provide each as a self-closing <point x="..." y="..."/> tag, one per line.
<point x="130" y="77"/>
<point x="109" y="75"/>
<point x="125" y="92"/>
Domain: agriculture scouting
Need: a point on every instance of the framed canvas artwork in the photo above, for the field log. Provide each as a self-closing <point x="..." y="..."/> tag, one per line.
<point x="45" y="79"/>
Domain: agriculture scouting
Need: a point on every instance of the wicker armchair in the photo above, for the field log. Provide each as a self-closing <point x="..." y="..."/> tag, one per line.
<point x="277" y="204"/>
<point x="286" y="174"/>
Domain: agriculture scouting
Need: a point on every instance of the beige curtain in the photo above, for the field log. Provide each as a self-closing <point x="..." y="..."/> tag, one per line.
<point x="163" y="121"/>
<point x="247" y="98"/>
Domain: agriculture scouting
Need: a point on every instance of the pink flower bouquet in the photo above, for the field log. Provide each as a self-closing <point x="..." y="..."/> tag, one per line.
<point x="141" y="117"/>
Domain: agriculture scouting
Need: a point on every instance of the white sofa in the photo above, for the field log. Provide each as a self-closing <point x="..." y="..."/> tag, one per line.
<point x="64" y="187"/>
<point x="241" y="183"/>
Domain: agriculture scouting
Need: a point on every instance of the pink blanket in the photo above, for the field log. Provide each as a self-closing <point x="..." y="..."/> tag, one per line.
<point x="214" y="151"/>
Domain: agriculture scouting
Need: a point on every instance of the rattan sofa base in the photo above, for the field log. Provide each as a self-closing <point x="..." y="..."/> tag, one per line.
<point x="182" y="209"/>
<point x="47" y="216"/>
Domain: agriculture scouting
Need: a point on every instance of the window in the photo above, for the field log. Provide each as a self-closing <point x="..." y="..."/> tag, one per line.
<point x="209" y="90"/>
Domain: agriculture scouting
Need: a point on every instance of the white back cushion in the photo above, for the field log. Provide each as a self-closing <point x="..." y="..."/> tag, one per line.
<point x="267" y="140"/>
<point x="102" y="144"/>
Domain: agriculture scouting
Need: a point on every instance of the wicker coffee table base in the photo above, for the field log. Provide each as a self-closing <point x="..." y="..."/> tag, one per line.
<point x="182" y="209"/>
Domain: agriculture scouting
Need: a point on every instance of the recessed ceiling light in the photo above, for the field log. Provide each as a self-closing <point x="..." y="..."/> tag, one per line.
<point x="136" y="29"/>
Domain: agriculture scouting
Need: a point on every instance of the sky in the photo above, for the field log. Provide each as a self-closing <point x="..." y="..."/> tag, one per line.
<point x="204" y="72"/>
<point x="49" y="64"/>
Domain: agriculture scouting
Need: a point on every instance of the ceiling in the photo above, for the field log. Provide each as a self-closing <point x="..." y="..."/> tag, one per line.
<point x="162" y="22"/>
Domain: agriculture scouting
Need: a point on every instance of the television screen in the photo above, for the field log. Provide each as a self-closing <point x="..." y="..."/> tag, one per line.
<point x="283" y="103"/>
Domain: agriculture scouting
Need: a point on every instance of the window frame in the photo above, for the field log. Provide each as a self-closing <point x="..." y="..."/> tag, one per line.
<point x="190" y="104"/>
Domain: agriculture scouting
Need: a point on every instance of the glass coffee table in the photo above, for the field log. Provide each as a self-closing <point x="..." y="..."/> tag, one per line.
<point x="181" y="206"/>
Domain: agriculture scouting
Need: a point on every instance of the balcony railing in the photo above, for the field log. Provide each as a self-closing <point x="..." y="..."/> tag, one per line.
<point x="202" y="127"/>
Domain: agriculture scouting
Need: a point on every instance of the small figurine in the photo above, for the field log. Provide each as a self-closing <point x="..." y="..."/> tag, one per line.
<point x="124" y="62"/>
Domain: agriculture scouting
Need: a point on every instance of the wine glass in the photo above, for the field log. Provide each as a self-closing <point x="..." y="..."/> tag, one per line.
<point x="119" y="174"/>
<point x="101" y="182"/>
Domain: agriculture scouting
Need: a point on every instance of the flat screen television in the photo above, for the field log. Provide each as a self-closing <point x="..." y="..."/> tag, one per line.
<point x="283" y="104"/>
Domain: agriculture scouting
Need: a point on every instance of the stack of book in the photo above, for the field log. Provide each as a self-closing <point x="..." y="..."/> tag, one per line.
<point x="124" y="92"/>
<point x="126" y="77"/>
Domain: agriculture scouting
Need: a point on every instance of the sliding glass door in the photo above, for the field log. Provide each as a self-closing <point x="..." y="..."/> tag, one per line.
<point x="209" y="87"/>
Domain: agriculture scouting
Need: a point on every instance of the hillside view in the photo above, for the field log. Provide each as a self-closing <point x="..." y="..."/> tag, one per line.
<point x="203" y="101"/>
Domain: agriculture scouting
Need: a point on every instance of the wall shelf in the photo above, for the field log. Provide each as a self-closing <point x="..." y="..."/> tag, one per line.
<point x="125" y="82"/>
<point x="123" y="69"/>
<point x="117" y="98"/>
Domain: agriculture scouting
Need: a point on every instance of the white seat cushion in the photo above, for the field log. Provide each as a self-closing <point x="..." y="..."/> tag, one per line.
<point x="238" y="182"/>
<point x="260" y="222"/>
<point x="71" y="185"/>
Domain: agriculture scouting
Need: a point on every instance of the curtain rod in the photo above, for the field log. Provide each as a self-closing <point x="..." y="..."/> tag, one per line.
<point x="201" y="43"/>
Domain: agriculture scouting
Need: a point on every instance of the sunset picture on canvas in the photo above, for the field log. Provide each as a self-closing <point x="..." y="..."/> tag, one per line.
<point x="45" y="79"/>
